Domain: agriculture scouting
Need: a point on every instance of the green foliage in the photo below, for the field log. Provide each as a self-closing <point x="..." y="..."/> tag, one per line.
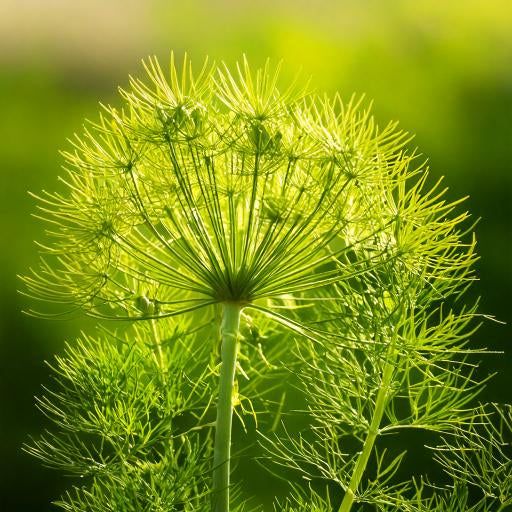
<point x="125" y="423"/>
<point x="349" y="271"/>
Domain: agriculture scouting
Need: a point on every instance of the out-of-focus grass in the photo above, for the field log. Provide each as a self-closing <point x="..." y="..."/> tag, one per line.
<point x="441" y="68"/>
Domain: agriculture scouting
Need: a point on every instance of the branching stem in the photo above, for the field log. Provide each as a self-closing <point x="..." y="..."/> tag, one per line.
<point x="222" y="448"/>
<point x="373" y="432"/>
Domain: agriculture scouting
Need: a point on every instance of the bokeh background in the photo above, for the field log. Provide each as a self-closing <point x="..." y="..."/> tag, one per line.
<point x="443" y="68"/>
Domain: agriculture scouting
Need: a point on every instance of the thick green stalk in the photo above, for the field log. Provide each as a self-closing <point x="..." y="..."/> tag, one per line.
<point x="222" y="448"/>
<point x="373" y="432"/>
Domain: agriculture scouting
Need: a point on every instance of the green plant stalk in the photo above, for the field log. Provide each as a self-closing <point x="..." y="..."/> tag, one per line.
<point x="373" y="432"/>
<point x="222" y="447"/>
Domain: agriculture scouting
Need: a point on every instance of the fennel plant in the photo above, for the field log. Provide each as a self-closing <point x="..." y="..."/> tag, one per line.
<point x="245" y="236"/>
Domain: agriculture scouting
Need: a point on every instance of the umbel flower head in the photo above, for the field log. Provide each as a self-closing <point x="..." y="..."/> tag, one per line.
<point x="221" y="187"/>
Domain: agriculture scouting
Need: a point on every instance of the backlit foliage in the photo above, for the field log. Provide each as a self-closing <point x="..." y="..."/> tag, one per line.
<point x="218" y="187"/>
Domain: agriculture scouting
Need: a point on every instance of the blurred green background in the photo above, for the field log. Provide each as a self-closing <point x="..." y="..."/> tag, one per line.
<point x="443" y="68"/>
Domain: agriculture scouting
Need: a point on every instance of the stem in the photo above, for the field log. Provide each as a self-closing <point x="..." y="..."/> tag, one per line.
<point x="160" y="360"/>
<point x="222" y="447"/>
<point x="373" y="432"/>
